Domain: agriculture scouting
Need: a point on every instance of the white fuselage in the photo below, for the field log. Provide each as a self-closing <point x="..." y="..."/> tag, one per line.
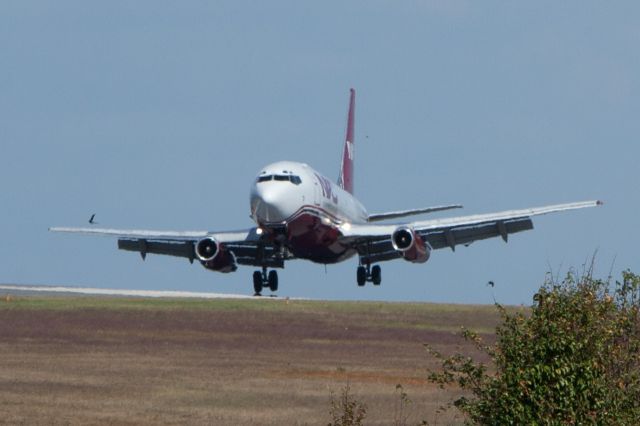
<point x="305" y="210"/>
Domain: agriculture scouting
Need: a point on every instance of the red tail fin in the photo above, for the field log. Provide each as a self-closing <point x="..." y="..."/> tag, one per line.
<point x="346" y="169"/>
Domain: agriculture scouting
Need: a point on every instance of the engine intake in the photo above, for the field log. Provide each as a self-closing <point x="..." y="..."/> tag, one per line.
<point x="214" y="256"/>
<point x="410" y="245"/>
<point x="207" y="249"/>
<point x="402" y="239"/>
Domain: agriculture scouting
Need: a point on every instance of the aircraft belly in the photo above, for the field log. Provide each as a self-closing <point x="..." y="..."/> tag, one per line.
<point x="309" y="238"/>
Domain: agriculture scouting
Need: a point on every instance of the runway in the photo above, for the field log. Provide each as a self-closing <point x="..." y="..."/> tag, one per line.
<point x="52" y="290"/>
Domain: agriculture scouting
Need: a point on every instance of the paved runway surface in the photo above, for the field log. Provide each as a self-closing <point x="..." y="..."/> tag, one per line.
<point x="51" y="290"/>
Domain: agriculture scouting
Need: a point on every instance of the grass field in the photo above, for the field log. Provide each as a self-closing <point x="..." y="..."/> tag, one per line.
<point x="103" y="360"/>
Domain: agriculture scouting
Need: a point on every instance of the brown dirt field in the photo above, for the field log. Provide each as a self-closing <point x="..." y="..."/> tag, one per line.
<point x="271" y="365"/>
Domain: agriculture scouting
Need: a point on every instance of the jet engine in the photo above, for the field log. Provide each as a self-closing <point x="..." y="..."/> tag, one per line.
<point x="207" y="249"/>
<point x="410" y="245"/>
<point x="213" y="256"/>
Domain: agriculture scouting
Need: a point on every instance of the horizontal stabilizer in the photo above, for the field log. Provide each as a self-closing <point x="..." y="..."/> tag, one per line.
<point x="394" y="215"/>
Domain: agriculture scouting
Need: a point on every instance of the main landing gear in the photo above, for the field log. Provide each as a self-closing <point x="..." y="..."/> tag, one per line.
<point x="262" y="280"/>
<point x="369" y="273"/>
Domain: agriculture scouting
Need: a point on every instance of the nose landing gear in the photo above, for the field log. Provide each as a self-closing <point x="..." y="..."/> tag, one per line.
<point x="369" y="273"/>
<point x="262" y="280"/>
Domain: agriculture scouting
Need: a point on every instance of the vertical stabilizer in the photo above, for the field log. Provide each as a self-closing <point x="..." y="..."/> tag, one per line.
<point x="345" y="180"/>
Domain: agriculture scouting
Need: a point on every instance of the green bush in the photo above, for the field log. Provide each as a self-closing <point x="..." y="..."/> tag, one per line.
<point x="346" y="410"/>
<point x="573" y="358"/>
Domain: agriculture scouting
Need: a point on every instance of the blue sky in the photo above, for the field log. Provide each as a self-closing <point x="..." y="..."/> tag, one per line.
<point x="159" y="114"/>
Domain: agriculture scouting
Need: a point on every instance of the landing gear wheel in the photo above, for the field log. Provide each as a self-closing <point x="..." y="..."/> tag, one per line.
<point x="257" y="283"/>
<point x="361" y="275"/>
<point x="376" y="275"/>
<point x="369" y="273"/>
<point x="273" y="280"/>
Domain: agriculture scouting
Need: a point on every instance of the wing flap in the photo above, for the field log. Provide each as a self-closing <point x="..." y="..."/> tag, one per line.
<point x="244" y="253"/>
<point x="245" y="245"/>
<point x="256" y="255"/>
<point x="169" y="248"/>
<point x="379" y="250"/>
<point x="389" y="253"/>
<point x="450" y="237"/>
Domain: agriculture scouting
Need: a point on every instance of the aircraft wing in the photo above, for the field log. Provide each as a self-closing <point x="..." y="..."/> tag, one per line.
<point x="394" y="215"/>
<point x="373" y="242"/>
<point x="245" y="245"/>
<point x="135" y="233"/>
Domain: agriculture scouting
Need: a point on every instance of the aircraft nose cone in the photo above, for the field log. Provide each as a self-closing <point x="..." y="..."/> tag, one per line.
<point x="269" y="204"/>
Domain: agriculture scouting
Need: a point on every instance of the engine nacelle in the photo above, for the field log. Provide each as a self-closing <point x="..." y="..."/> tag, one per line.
<point x="410" y="245"/>
<point x="213" y="256"/>
<point x="207" y="249"/>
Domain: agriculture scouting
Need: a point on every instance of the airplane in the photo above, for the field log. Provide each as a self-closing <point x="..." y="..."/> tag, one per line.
<point x="301" y="214"/>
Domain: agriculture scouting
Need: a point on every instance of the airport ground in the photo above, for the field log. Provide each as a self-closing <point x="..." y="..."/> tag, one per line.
<point x="108" y="360"/>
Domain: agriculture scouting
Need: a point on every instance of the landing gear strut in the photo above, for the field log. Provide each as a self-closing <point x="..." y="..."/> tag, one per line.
<point x="369" y="273"/>
<point x="262" y="280"/>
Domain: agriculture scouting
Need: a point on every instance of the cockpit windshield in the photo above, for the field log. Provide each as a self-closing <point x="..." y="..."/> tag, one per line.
<point x="282" y="178"/>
